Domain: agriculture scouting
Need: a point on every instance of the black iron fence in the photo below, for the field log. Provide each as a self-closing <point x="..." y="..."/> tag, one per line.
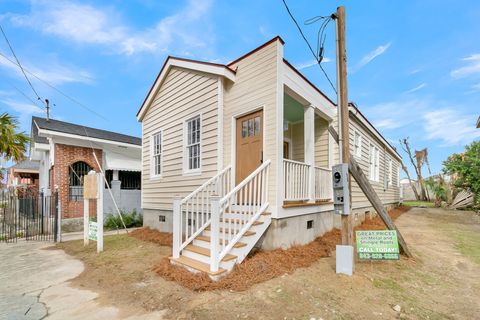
<point x="27" y="214"/>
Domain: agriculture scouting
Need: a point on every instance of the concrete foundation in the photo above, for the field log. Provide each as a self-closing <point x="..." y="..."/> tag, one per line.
<point x="72" y="225"/>
<point x="158" y="219"/>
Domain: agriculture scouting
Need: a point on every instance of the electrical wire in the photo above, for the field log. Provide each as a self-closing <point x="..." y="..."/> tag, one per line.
<point x="27" y="97"/>
<point x="319" y="54"/>
<point x="56" y="89"/>
<point x="19" y="64"/>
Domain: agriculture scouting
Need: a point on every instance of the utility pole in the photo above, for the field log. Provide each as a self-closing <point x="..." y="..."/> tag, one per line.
<point x="47" y="109"/>
<point x="343" y="118"/>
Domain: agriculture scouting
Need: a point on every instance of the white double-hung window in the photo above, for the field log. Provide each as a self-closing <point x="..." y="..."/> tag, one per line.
<point x="357" y="144"/>
<point x="156" y="161"/>
<point x="192" y="152"/>
<point x="374" y="163"/>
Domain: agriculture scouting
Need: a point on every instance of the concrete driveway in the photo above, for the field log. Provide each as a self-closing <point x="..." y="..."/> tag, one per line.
<point x="33" y="285"/>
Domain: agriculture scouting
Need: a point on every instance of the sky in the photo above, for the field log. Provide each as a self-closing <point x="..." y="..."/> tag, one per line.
<point x="413" y="66"/>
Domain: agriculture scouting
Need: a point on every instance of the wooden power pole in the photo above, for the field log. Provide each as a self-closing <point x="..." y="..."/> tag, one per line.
<point x="343" y="117"/>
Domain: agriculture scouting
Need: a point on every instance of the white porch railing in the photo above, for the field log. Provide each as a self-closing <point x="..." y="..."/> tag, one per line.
<point x="296" y="177"/>
<point x="191" y="215"/>
<point x="236" y="212"/>
<point x="323" y="184"/>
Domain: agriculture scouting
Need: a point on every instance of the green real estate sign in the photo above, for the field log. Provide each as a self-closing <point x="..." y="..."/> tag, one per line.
<point x="92" y="230"/>
<point x="377" y="245"/>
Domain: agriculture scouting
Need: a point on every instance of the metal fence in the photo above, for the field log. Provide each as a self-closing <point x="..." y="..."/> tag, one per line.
<point x="27" y="214"/>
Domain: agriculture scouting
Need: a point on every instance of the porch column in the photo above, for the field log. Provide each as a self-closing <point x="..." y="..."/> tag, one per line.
<point x="309" y="138"/>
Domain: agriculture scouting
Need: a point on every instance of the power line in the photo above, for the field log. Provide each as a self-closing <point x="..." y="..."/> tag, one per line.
<point x="19" y="64"/>
<point x="26" y="96"/>
<point x="319" y="55"/>
<point x="56" y="89"/>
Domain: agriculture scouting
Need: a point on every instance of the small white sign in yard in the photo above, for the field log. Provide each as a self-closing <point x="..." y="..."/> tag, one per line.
<point x="92" y="230"/>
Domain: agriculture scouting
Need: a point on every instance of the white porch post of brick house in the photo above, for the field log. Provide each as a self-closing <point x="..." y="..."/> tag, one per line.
<point x="309" y="140"/>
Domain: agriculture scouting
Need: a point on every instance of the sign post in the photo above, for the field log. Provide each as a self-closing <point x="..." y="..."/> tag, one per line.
<point x="92" y="190"/>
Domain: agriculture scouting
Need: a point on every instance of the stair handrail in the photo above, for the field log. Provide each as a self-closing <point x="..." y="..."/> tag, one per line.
<point x="186" y="207"/>
<point x="220" y="247"/>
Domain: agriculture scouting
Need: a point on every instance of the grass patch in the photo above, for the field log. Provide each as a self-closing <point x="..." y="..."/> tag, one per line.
<point x="419" y="204"/>
<point x="468" y="243"/>
<point x="387" y="284"/>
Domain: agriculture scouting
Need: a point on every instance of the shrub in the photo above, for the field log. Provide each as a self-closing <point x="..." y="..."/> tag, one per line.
<point x="131" y="219"/>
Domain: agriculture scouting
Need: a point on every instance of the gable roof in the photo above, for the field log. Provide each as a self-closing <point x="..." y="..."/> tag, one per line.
<point x="26" y="165"/>
<point x="78" y="130"/>
<point x="357" y="114"/>
<point x="202" y="66"/>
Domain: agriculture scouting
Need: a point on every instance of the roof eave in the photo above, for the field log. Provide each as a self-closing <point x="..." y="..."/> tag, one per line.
<point x="201" y="66"/>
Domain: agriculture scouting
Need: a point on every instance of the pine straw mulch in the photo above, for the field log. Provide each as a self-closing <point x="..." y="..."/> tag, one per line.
<point x="152" y="235"/>
<point x="260" y="266"/>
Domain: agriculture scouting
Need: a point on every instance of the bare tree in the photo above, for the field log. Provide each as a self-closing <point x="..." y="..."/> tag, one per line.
<point x="421" y="159"/>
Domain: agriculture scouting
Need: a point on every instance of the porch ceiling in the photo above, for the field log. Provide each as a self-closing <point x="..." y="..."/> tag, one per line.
<point x="293" y="110"/>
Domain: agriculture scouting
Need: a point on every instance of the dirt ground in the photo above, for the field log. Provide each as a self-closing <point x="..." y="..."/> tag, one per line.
<point x="442" y="282"/>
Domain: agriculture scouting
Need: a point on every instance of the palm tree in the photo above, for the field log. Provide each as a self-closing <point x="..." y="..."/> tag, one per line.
<point x="13" y="144"/>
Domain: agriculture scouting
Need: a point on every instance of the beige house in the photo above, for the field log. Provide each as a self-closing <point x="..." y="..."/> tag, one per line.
<point x="239" y="155"/>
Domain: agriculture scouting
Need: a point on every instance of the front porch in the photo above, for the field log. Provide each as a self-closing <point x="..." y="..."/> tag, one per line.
<point x="307" y="154"/>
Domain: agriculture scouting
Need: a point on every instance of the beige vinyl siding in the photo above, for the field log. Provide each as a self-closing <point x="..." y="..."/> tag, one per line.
<point x="183" y="95"/>
<point x="296" y="133"/>
<point x="387" y="195"/>
<point x="298" y="142"/>
<point x="255" y="86"/>
<point x="321" y="142"/>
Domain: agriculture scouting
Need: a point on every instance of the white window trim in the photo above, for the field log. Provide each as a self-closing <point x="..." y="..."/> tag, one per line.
<point x="374" y="171"/>
<point x="398" y="175"/>
<point x="390" y="172"/>
<point x="152" y="162"/>
<point x="186" y="170"/>
<point x="357" y="152"/>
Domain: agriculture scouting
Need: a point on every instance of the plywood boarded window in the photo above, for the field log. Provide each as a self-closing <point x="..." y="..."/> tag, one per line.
<point x="193" y="146"/>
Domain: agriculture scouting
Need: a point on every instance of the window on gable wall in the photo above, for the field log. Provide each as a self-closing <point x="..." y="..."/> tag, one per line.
<point x="390" y="173"/>
<point x="374" y="163"/>
<point x="357" y="144"/>
<point x="192" y="147"/>
<point x="157" y="154"/>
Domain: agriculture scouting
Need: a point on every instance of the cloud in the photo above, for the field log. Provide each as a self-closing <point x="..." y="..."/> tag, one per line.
<point x="369" y="57"/>
<point x="419" y="87"/>
<point x="85" y="24"/>
<point x="53" y="72"/>
<point x="310" y="63"/>
<point x="450" y="126"/>
<point x="472" y="67"/>
<point x="397" y="114"/>
<point x="22" y="108"/>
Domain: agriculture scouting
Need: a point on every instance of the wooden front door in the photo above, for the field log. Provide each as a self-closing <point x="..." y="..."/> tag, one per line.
<point x="249" y="150"/>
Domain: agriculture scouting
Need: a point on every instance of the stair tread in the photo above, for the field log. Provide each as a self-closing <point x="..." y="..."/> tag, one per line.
<point x="206" y="252"/>
<point x="255" y="223"/>
<point x="246" y="234"/>
<point x="207" y="239"/>
<point x="197" y="265"/>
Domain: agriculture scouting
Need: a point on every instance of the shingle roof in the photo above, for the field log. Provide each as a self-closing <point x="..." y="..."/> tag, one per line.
<point x="27" y="165"/>
<point x="79" y="130"/>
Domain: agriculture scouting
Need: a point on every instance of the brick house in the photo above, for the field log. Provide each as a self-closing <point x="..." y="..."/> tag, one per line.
<point x="65" y="152"/>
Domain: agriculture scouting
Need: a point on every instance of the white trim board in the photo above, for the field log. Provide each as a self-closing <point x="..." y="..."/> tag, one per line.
<point x="219" y="70"/>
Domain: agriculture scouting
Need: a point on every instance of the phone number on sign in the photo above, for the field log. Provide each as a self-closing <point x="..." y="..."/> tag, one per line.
<point x="379" y="256"/>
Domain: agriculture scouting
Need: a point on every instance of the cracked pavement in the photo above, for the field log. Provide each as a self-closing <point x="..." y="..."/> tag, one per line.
<point x="34" y="285"/>
<point x="26" y="272"/>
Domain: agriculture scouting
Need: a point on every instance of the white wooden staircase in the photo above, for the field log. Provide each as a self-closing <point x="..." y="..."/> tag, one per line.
<point x="215" y="227"/>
